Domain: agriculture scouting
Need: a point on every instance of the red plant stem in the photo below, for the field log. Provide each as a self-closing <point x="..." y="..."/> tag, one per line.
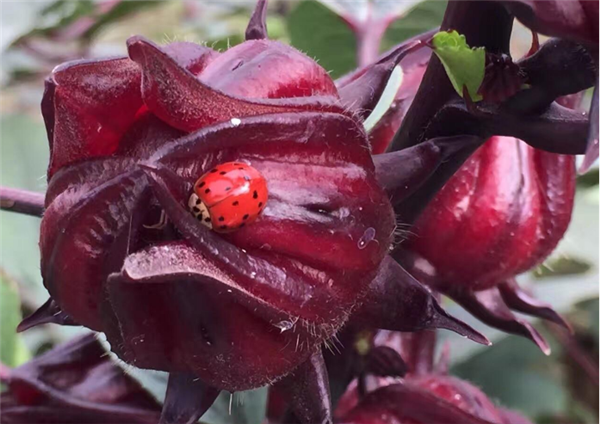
<point x="368" y="39"/>
<point x="22" y="201"/>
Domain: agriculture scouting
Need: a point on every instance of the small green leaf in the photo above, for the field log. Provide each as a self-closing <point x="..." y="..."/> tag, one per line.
<point x="563" y="265"/>
<point x="12" y="350"/>
<point x="320" y="33"/>
<point x="465" y="66"/>
<point x="422" y="17"/>
<point x="518" y="376"/>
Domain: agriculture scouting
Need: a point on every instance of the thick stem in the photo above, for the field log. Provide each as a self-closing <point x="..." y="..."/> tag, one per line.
<point x="22" y="201"/>
<point x="483" y="23"/>
<point x="368" y="40"/>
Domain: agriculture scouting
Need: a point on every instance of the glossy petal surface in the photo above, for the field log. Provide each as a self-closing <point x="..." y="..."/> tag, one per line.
<point x="502" y="213"/>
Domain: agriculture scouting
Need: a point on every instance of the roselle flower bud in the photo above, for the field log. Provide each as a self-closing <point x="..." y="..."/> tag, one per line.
<point x="427" y="399"/>
<point x="76" y="382"/>
<point x="425" y="395"/>
<point x="576" y="20"/>
<point x="122" y="253"/>
<point x="500" y="215"/>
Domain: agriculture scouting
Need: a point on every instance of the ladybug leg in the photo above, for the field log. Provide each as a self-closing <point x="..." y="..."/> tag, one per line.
<point x="162" y="222"/>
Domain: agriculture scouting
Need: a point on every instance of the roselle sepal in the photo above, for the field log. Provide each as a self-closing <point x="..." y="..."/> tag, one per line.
<point x="519" y="300"/>
<point x="591" y="152"/>
<point x="48" y="313"/>
<point x="306" y="390"/>
<point x="188" y="103"/>
<point x="257" y="26"/>
<point x="403" y="173"/>
<point x="362" y="91"/>
<point x="413" y="66"/>
<point x="556" y="130"/>
<point x="406" y="401"/>
<point x="397" y="301"/>
<point x="489" y="308"/>
<point x="75" y="382"/>
<point x="186" y="400"/>
<point x="575" y="20"/>
<point x="502" y="79"/>
<point x="560" y="67"/>
<point x="383" y="361"/>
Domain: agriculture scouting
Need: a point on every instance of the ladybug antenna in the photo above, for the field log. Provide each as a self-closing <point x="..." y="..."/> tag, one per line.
<point x="257" y="27"/>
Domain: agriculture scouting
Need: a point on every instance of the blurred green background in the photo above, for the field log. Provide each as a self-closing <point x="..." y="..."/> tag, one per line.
<point x="36" y="36"/>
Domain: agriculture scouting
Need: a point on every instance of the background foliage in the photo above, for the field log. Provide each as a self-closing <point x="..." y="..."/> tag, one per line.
<point x="36" y="36"/>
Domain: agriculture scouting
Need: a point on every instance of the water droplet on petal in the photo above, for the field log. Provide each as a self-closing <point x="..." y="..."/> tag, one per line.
<point x="367" y="236"/>
<point x="286" y="324"/>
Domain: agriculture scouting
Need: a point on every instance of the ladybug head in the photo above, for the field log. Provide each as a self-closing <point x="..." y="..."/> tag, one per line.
<point x="199" y="210"/>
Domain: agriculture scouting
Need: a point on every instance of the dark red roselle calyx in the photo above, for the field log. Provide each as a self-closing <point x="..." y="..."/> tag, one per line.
<point x="76" y="382"/>
<point x="501" y="214"/>
<point x="129" y="138"/>
<point x="422" y="400"/>
<point x="426" y="394"/>
<point x="313" y="251"/>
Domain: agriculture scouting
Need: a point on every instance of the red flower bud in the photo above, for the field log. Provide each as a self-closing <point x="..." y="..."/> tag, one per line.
<point x="501" y="214"/>
<point x="78" y="383"/>
<point x="129" y="139"/>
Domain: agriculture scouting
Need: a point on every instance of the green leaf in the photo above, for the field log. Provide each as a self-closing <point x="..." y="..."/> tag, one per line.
<point x="12" y="350"/>
<point x="23" y="165"/>
<point x="464" y="66"/>
<point x="563" y="265"/>
<point x="247" y="407"/>
<point x="321" y="34"/>
<point x="423" y="17"/>
<point x="519" y="376"/>
<point x="122" y="10"/>
<point x="57" y="15"/>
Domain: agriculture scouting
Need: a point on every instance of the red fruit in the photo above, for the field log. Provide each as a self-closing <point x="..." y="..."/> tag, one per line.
<point x="229" y="196"/>
<point x="501" y="214"/>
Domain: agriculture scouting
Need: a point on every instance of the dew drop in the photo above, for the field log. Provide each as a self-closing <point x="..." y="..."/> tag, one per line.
<point x="367" y="236"/>
<point x="286" y="324"/>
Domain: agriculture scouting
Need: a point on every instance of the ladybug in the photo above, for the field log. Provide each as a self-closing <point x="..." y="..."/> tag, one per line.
<point x="229" y="196"/>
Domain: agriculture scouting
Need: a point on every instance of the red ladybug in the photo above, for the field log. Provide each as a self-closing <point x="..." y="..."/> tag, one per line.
<point x="229" y="196"/>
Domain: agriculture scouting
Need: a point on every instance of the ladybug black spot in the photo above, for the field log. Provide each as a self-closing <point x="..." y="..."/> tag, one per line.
<point x="198" y="201"/>
<point x="196" y="209"/>
<point x="241" y="169"/>
<point x="246" y="216"/>
<point x="206" y="219"/>
<point x="202" y="184"/>
<point x="207" y="191"/>
<point x="222" y="173"/>
<point x="235" y="203"/>
<point x="213" y="170"/>
<point x="260" y="204"/>
<point x="228" y="188"/>
<point x="221" y="219"/>
<point x="241" y="225"/>
<point x="199" y="217"/>
<point x="255" y="195"/>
